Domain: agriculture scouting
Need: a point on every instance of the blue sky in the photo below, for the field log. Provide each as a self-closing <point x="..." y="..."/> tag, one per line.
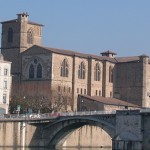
<point x="88" y="26"/>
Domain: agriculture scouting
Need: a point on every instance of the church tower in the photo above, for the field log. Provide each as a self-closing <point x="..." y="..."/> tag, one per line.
<point x="17" y="36"/>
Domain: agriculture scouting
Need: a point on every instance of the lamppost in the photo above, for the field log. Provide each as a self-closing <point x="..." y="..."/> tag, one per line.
<point x="39" y="111"/>
<point x="81" y="102"/>
<point x="18" y="109"/>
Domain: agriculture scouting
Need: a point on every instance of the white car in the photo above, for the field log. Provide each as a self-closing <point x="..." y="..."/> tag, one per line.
<point x="34" y="116"/>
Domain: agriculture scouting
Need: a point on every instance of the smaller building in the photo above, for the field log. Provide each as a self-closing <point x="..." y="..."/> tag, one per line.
<point x="97" y="103"/>
<point x="5" y="85"/>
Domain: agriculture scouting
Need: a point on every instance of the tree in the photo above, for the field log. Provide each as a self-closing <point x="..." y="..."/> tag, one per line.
<point x="58" y="102"/>
<point x="61" y="101"/>
<point x="36" y="104"/>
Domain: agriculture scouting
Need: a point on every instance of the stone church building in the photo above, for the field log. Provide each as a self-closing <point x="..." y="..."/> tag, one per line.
<point x="39" y="71"/>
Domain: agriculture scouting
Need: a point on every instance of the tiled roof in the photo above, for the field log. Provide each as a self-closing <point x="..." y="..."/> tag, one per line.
<point x="9" y="21"/>
<point x="114" y="60"/>
<point x="83" y="55"/>
<point x="110" y="101"/>
<point x="34" y="23"/>
<point x="73" y="53"/>
<point x="16" y="20"/>
<point x="127" y="59"/>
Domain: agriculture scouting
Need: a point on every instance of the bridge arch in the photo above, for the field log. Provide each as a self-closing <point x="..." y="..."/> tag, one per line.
<point x="56" y="133"/>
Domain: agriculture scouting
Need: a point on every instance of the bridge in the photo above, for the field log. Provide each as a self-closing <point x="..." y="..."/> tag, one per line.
<point x="128" y="129"/>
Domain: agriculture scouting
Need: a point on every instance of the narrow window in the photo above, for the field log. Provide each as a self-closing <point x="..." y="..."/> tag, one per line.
<point x="64" y="89"/>
<point x="4" y="98"/>
<point x="97" y="72"/>
<point x="99" y="93"/>
<point x="64" y="69"/>
<point x="81" y="90"/>
<point x="81" y="71"/>
<point x="58" y="88"/>
<point x="39" y="71"/>
<point x="5" y="72"/>
<point x="10" y="35"/>
<point x="31" y="72"/>
<point x="77" y="90"/>
<point x="96" y="92"/>
<point x="69" y="89"/>
<point x="5" y="84"/>
<point x="84" y="91"/>
<point x="110" y="74"/>
<point x="110" y="94"/>
<point x="30" y="36"/>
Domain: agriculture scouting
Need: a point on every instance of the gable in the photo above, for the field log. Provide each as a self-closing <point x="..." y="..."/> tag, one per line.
<point x="35" y="50"/>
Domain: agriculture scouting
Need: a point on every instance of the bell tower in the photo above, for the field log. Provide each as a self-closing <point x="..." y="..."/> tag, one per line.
<point x="17" y="36"/>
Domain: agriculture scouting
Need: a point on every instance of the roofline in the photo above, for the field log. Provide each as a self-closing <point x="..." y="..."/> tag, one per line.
<point x="129" y="104"/>
<point x="16" y="20"/>
<point x="74" y="53"/>
<point x="109" y="52"/>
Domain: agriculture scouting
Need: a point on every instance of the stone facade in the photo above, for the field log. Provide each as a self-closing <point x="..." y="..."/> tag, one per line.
<point x="5" y="85"/>
<point x="14" y="41"/>
<point x="125" y="78"/>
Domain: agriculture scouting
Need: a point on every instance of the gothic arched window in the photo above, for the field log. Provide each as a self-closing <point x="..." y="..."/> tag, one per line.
<point x="110" y="74"/>
<point x="31" y="72"/>
<point x="97" y="72"/>
<point x="81" y="71"/>
<point x="64" y="69"/>
<point x="30" y="36"/>
<point x="39" y="71"/>
<point x="10" y="35"/>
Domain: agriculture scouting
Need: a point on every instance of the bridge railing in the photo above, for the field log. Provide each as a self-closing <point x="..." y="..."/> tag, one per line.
<point x="145" y="110"/>
<point x="52" y="115"/>
<point x="87" y="113"/>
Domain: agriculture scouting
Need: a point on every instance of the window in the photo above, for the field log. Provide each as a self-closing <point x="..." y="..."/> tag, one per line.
<point x="58" y="88"/>
<point x="97" y="72"/>
<point x="69" y="90"/>
<point x="110" y="94"/>
<point x="64" y="69"/>
<point x="5" y="84"/>
<point x="77" y="90"/>
<point x="99" y="93"/>
<point x="5" y="72"/>
<point x="110" y="74"/>
<point x="31" y="71"/>
<point x="30" y="36"/>
<point x="81" y="71"/>
<point x="4" y="98"/>
<point x="64" y="89"/>
<point x="35" y="70"/>
<point x="96" y="92"/>
<point x="81" y="91"/>
<point x="39" y="71"/>
<point x="10" y="35"/>
<point x="84" y="91"/>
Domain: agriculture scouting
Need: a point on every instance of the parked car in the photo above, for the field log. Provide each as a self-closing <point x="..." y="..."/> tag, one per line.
<point x="34" y="116"/>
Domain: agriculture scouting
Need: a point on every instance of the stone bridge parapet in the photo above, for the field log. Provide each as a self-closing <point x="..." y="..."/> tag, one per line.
<point x="129" y="129"/>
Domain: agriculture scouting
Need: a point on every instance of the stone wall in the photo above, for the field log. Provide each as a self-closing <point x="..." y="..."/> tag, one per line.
<point x="89" y="136"/>
<point x="128" y="131"/>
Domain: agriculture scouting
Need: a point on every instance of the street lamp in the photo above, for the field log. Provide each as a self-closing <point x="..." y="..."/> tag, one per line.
<point x="81" y="102"/>
<point x="18" y="109"/>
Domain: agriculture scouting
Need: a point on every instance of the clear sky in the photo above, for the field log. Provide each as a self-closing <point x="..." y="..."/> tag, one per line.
<point x="88" y="26"/>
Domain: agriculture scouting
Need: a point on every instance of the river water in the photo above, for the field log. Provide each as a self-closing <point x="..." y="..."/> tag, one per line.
<point x="22" y="148"/>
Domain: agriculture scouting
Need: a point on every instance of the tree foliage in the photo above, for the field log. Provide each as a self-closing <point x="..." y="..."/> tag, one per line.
<point x="59" y="102"/>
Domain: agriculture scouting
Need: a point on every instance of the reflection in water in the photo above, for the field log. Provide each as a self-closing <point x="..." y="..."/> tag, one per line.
<point x="22" y="148"/>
